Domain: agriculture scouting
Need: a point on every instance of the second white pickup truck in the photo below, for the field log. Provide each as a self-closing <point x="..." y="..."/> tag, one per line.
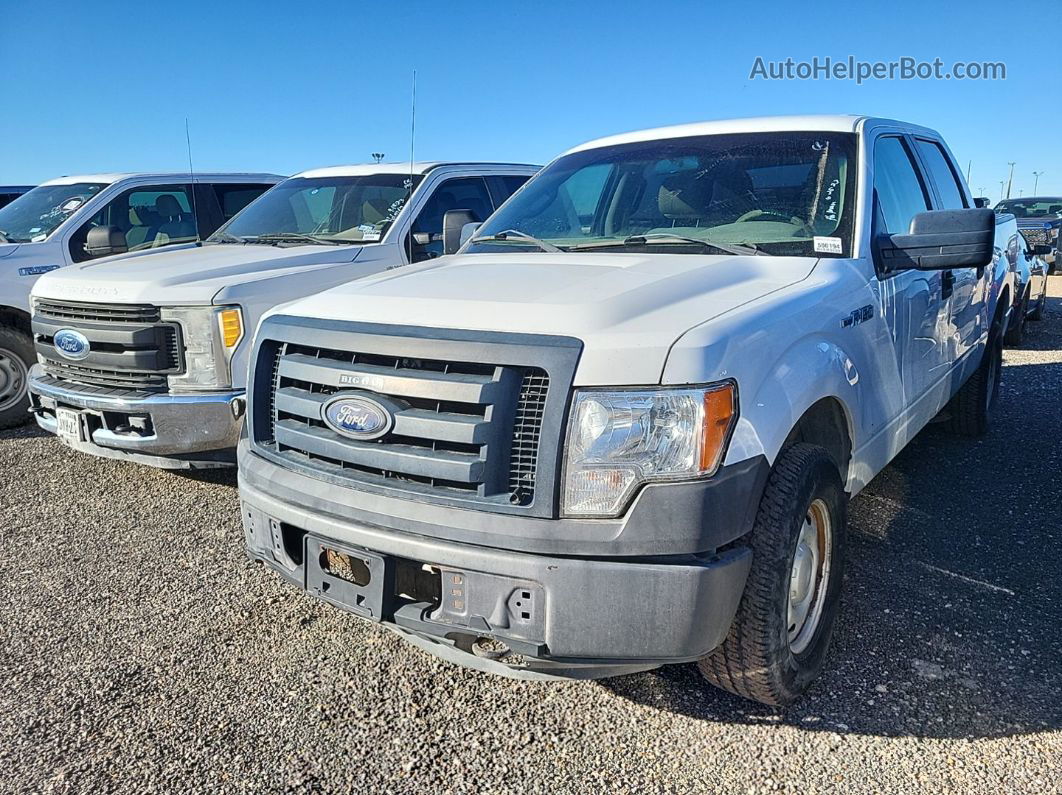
<point x="145" y="357"/>
<point x="621" y="427"/>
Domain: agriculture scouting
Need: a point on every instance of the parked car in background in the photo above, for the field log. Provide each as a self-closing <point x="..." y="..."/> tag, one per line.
<point x="8" y="193"/>
<point x="1039" y="219"/>
<point x="146" y="359"/>
<point x="620" y="428"/>
<point x="1030" y="284"/>
<point x="73" y="220"/>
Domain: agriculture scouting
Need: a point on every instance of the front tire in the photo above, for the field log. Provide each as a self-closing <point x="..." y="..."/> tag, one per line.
<point x="16" y="357"/>
<point x="777" y="644"/>
<point x="1016" y="333"/>
<point x="1038" y="313"/>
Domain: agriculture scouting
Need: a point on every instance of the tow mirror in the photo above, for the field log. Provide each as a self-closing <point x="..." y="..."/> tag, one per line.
<point x="102" y="241"/>
<point x="454" y="222"/>
<point x="942" y="240"/>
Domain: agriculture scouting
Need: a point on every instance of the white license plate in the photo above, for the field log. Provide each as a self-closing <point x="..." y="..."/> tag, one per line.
<point x="69" y="422"/>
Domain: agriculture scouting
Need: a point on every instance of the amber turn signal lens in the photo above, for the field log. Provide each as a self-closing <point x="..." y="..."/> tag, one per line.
<point x="231" y="326"/>
<point x="719" y="414"/>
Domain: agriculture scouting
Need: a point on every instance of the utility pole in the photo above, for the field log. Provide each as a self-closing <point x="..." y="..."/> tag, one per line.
<point x="1036" y="180"/>
<point x="377" y="156"/>
<point x="1010" y="179"/>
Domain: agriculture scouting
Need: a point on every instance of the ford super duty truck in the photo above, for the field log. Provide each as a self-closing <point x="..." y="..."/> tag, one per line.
<point x="146" y="359"/>
<point x="621" y="427"/>
<point x="77" y="219"/>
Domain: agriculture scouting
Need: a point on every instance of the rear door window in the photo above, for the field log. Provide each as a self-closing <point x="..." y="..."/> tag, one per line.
<point x="952" y="196"/>
<point x="234" y="197"/>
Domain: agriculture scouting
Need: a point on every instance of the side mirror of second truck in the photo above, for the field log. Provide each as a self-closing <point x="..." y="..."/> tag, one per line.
<point x="102" y="241"/>
<point x="454" y="222"/>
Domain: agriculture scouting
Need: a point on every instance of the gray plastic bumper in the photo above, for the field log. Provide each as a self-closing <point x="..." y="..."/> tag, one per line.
<point x="559" y="616"/>
<point x="172" y="431"/>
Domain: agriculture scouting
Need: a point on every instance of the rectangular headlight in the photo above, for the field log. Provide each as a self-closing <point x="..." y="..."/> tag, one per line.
<point x="210" y="335"/>
<point x="618" y="440"/>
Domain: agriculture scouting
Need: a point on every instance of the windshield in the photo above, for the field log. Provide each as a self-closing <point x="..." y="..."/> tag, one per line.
<point x="37" y="213"/>
<point x="322" y="210"/>
<point x="1049" y="208"/>
<point x="771" y="193"/>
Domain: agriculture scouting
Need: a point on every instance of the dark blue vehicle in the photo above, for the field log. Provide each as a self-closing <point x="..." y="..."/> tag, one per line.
<point x="1039" y="220"/>
<point x="8" y="193"/>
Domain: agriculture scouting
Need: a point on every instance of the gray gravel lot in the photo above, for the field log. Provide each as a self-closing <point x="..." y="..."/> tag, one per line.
<point x="141" y="652"/>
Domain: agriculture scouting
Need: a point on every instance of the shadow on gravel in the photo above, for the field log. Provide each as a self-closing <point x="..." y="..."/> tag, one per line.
<point x="30" y="431"/>
<point x="953" y="601"/>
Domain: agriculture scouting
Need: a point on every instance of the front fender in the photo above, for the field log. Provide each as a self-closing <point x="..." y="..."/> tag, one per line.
<point x="810" y="370"/>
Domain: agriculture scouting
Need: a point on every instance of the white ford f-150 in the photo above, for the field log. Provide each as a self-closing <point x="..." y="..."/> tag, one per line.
<point x="77" y="219"/>
<point x="145" y="358"/>
<point x="621" y="427"/>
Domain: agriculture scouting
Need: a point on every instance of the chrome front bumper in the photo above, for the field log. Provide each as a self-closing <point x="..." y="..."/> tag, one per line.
<point x="168" y="430"/>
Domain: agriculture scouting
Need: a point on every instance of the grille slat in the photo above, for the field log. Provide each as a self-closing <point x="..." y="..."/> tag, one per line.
<point x="407" y="459"/>
<point x="116" y="313"/>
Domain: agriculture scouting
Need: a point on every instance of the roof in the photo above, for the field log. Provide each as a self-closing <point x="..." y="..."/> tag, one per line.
<point x="107" y="179"/>
<point x="365" y="169"/>
<point x="814" y="123"/>
<point x="1025" y="199"/>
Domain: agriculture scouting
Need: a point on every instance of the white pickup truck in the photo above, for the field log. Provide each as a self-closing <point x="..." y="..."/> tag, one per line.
<point x="145" y="358"/>
<point x="77" y="219"/>
<point x="621" y="427"/>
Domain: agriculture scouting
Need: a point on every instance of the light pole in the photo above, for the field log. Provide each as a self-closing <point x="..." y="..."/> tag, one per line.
<point x="1010" y="179"/>
<point x="377" y="156"/>
<point x="1002" y="184"/>
<point x="1036" y="180"/>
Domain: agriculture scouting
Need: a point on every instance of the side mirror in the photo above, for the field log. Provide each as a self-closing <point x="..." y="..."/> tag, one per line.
<point x="942" y="240"/>
<point x="468" y="230"/>
<point x="102" y="241"/>
<point x="981" y="201"/>
<point x="454" y="221"/>
<point x="1041" y="250"/>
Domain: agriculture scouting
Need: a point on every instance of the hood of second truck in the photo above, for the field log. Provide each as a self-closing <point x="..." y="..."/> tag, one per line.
<point x="628" y="309"/>
<point x="185" y="275"/>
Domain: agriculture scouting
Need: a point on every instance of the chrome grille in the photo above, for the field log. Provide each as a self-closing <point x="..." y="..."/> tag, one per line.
<point x="1034" y="236"/>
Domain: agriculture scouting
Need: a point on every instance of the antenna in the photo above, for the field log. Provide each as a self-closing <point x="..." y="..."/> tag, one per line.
<point x="191" y="173"/>
<point x="412" y="139"/>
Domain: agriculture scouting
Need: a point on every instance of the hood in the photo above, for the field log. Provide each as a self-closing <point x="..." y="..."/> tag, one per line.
<point x="1038" y="223"/>
<point x="628" y="309"/>
<point x="183" y="275"/>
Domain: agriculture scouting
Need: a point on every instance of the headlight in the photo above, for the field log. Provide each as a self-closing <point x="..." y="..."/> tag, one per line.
<point x="210" y="335"/>
<point x="618" y="440"/>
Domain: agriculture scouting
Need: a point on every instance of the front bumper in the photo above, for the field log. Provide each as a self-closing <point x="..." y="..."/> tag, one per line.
<point x="167" y="430"/>
<point x="558" y="616"/>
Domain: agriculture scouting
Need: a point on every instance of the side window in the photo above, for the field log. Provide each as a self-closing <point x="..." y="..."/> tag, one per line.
<point x="234" y="197"/>
<point x="952" y="196"/>
<point x="502" y="187"/>
<point x="467" y="193"/>
<point x="148" y="217"/>
<point x="897" y="185"/>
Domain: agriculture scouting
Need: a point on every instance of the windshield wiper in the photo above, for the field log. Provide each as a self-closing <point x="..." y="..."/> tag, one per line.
<point x="224" y="237"/>
<point x="516" y="236"/>
<point x="664" y="238"/>
<point x="294" y="237"/>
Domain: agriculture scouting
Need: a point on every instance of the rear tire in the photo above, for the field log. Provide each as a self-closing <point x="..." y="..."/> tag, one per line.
<point x="1016" y="333"/>
<point x="1038" y="313"/>
<point x="971" y="408"/>
<point x="777" y="644"/>
<point x="16" y="357"/>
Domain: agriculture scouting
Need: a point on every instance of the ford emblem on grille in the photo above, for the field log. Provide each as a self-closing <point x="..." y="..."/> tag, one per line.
<point x="71" y="344"/>
<point x="358" y="417"/>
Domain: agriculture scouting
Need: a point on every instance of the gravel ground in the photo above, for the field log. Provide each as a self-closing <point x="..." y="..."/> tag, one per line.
<point x="141" y="652"/>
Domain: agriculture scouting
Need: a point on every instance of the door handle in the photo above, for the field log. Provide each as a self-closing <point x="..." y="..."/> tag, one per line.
<point x="947" y="284"/>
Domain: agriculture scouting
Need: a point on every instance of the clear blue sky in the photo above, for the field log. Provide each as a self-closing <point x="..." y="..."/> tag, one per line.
<point x="287" y="86"/>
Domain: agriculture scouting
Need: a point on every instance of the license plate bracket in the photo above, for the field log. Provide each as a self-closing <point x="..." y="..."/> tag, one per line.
<point x="68" y="425"/>
<point x="348" y="577"/>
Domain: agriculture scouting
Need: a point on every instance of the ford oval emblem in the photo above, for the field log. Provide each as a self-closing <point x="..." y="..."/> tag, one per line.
<point x="358" y="417"/>
<point x="71" y="344"/>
